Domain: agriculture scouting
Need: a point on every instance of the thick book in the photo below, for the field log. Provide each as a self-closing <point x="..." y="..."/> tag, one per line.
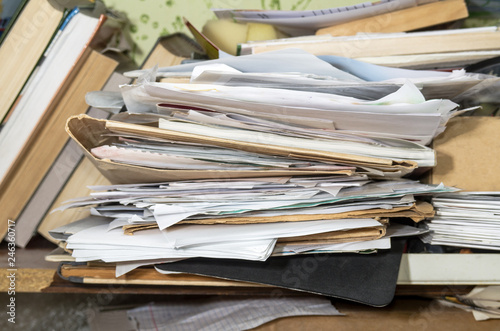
<point x="23" y="46"/>
<point x="171" y="50"/>
<point x="9" y="13"/>
<point x="407" y="19"/>
<point x="50" y="138"/>
<point x="47" y="86"/>
<point x="387" y="44"/>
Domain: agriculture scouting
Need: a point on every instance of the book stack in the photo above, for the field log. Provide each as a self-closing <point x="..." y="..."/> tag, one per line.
<point x="19" y="41"/>
<point x="32" y="133"/>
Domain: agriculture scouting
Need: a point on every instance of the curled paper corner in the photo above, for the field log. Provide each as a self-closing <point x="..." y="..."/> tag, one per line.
<point x="148" y="76"/>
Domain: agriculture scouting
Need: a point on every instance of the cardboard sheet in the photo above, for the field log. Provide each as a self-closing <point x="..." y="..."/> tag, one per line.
<point x="87" y="132"/>
<point x="468" y="154"/>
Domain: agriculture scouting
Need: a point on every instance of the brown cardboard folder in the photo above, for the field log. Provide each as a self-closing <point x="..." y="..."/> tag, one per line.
<point x="89" y="132"/>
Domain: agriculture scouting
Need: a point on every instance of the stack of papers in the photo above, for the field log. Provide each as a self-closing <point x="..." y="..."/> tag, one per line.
<point x="183" y="149"/>
<point x="221" y="127"/>
<point x="466" y="219"/>
<point x="265" y="160"/>
<point x="292" y="88"/>
<point x="241" y="218"/>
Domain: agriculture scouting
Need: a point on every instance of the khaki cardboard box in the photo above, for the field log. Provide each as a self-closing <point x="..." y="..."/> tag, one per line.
<point x="468" y="154"/>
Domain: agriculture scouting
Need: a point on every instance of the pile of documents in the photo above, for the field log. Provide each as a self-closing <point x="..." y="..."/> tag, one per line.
<point x="296" y="88"/>
<point x="270" y="151"/>
<point x="264" y="157"/>
<point x="180" y="145"/>
<point x="260" y="110"/>
<point x="243" y="218"/>
<point x="466" y="219"/>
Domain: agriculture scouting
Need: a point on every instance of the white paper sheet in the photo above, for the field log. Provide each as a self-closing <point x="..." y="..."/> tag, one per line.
<point x="188" y="235"/>
<point x="99" y="243"/>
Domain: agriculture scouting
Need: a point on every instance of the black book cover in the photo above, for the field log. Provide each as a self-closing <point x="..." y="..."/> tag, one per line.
<point x="366" y="278"/>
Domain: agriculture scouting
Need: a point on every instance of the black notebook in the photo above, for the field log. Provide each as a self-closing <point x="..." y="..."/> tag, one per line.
<point x="366" y="278"/>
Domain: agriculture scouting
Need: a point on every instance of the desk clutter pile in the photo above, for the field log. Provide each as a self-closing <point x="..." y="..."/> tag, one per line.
<point x="306" y="163"/>
<point x="270" y="174"/>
